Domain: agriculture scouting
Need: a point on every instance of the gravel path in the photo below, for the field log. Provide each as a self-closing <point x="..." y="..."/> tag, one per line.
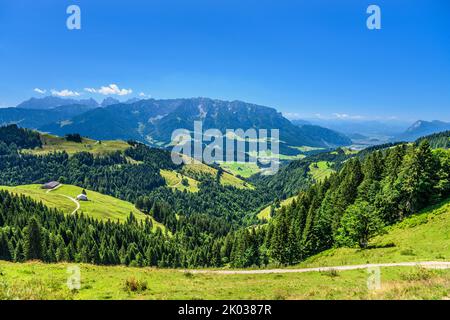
<point x="426" y="264"/>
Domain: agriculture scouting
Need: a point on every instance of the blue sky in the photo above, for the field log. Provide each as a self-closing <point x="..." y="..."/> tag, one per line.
<point x="302" y="57"/>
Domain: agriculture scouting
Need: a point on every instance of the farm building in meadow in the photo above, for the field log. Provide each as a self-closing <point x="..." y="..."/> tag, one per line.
<point x="82" y="197"/>
<point x="50" y="185"/>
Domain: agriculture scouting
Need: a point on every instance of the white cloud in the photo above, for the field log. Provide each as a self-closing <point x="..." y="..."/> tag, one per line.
<point x="41" y="91"/>
<point x="292" y="115"/>
<point x="345" y="116"/>
<point x="65" y="93"/>
<point x="142" y="94"/>
<point x="91" y="90"/>
<point x="112" y="89"/>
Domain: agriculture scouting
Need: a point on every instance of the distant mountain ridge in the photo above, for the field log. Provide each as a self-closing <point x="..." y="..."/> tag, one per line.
<point x="51" y="102"/>
<point x="423" y="128"/>
<point x="36" y="118"/>
<point x="154" y="121"/>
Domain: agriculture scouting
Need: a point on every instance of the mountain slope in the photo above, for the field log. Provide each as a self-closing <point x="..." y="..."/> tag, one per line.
<point x="421" y="237"/>
<point x="422" y="128"/>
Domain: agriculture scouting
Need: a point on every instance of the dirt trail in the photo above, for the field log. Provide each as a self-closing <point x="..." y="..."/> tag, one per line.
<point x="70" y="198"/>
<point x="425" y="264"/>
<point x="74" y="201"/>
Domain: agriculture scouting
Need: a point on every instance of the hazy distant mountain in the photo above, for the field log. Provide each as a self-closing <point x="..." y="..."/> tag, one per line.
<point x="299" y="122"/>
<point x="118" y="121"/>
<point x="109" y="101"/>
<point x="51" y="102"/>
<point x="35" y="118"/>
<point x="155" y="120"/>
<point x="422" y="128"/>
<point x="132" y="100"/>
<point x="367" y="128"/>
<point x="357" y="136"/>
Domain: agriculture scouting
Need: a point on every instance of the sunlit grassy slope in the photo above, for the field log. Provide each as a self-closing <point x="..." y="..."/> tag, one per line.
<point x="99" y="206"/>
<point x="320" y="170"/>
<point x="174" y="180"/>
<point x="422" y="237"/>
<point x="194" y="168"/>
<point x="242" y="169"/>
<point x="52" y="144"/>
<point x="265" y="213"/>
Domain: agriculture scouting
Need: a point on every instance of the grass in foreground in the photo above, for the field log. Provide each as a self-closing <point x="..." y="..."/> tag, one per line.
<point x="40" y="281"/>
<point x="422" y="237"/>
<point x="99" y="206"/>
<point x="58" y="144"/>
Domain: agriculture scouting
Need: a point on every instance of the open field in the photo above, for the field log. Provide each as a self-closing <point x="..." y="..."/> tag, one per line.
<point x="195" y="168"/>
<point x="55" y="144"/>
<point x="242" y="169"/>
<point x="320" y="170"/>
<point x="174" y="180"/>
<point x="422" y="237"/>
<point x="48" y="281"/>
<point x="265" y="213"/>
<point x="268" y="155"/>
<point x="99" y="206"/>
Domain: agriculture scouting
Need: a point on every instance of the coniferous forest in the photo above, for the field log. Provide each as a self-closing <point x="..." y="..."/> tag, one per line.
<point x="217" y="226"/>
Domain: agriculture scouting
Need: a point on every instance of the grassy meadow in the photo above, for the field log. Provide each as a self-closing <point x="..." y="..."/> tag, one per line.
<point x="195" y="168"/>
<point x="52" y="143"/>
<point x="35" y="280"/>
<point x="243" y="169"/>
<point x="99" y="206"/>
<point x="320" y="170"/>
<point x="175" y="179"/>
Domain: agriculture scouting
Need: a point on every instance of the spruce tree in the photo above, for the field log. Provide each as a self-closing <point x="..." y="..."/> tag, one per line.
<point x="33" y="240"/>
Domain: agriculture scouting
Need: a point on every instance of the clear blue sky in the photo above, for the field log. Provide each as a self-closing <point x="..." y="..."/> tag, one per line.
<point x="302" y="57"/>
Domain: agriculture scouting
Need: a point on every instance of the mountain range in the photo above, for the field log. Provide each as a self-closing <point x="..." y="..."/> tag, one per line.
<point x="423" y="128"/>
<point x="379" y="131"/>
<point x="153" y="121"/>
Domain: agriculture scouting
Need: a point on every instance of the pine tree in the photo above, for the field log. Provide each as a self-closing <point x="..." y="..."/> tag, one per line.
<point x="19" y="254"/>
<point x="33" y="241"/>
<point x="418" y="178"/>
<point x="5" y="248"/>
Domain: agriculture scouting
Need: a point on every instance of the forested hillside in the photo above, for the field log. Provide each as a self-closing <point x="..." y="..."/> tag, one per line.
<point x="438" y="140"/>
<point x="21" y="138"/>
<point x="216" y="226"/>
<point x="198" y="220"/>
<point x="355" y="204"/>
